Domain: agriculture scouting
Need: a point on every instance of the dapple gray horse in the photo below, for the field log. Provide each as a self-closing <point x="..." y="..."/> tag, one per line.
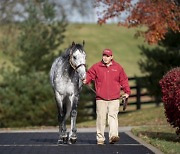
<point x="67" y="73"/>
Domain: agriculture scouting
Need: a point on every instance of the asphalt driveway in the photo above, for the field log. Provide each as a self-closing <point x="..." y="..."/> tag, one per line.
<point x="45" y="142"/>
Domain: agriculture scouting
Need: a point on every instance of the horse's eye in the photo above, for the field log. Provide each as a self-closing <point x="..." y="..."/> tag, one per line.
<point x="74" y="57"/>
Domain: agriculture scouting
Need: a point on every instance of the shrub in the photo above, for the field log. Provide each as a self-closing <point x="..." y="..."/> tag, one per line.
<point x="26" y="100"/>
<point x="170" y="87"/>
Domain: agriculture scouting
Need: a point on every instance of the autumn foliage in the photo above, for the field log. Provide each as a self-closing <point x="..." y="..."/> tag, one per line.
<point x="170" y="85"/>
<point x="157" y="15"/>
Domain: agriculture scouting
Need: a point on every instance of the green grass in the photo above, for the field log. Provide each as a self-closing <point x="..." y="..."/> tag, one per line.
<point x="148" y="115"/>
<point x="162" y="137"/>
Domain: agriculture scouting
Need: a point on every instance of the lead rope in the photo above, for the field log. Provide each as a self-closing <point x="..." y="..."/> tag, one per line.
<point x="91" y="88"/>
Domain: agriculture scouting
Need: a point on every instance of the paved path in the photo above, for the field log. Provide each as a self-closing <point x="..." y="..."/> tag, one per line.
<point x="45" y="142"/>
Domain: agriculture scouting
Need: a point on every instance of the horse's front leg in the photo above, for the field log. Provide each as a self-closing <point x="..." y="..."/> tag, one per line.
<point x="73" y="114"/>
<point x="63" y="138"/>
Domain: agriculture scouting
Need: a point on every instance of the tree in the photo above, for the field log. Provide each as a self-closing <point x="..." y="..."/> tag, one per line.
<point x="157" y="15"/>
<point x="15" y="10"/>
<point x="40" y="37"/>
<point x="156" y="62"/>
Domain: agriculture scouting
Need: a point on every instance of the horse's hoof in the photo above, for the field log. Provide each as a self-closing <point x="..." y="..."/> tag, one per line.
<point x="60" y="142"/>
<point x="65" y="140"/>
<point x="72" y="140"/>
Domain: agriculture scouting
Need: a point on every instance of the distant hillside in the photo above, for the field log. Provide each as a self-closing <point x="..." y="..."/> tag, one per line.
<point x="120" y="40"/>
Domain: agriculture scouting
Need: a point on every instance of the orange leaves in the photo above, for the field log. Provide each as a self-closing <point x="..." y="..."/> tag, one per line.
<point x="157" y="15"/>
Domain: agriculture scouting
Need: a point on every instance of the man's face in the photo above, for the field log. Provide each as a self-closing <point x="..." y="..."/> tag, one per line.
<point x="107" y="59"/>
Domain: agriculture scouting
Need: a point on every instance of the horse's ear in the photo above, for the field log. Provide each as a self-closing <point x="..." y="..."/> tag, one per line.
<point x="83" y="43"/>
<point x="73" y="44"/>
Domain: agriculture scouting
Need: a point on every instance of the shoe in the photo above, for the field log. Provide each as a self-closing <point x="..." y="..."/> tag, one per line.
<point x="100" y="142"/>
<point x="114" y="139"/>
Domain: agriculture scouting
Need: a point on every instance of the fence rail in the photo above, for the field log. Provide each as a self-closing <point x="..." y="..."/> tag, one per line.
<point x="139" y="94"/>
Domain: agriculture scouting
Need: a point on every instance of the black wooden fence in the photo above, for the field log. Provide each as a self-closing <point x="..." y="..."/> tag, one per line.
<point x="139" y="94"/>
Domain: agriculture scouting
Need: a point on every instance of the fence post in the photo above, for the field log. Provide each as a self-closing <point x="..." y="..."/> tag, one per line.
<point x="138" y="93"/>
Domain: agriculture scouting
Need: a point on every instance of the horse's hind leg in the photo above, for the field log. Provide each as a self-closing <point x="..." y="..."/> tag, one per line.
<point x="61" y="115"/>
<point x="72" y="134"/>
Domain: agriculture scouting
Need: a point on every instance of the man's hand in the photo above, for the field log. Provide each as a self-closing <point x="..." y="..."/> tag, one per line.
<point x="124" y="100"/>
<point x="84" y="81"/>
<point x="125" y="95"/>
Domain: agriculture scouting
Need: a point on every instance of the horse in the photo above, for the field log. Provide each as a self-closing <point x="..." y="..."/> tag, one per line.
<point x="66" y="75"/>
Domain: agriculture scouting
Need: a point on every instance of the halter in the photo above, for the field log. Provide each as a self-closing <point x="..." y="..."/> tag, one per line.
<point x="72" y="65"/>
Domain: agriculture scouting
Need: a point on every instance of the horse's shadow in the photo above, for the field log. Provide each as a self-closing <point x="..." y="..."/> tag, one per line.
<point x="44" y="141"/>
<point x="54" y="141"/>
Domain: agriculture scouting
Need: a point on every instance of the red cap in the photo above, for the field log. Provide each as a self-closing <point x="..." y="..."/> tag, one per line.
<point x="107" y="52"/>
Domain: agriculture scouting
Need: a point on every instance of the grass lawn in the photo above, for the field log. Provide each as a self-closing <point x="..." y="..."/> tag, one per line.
<point x="162" y="137"/>
<point x="148" y="115"/>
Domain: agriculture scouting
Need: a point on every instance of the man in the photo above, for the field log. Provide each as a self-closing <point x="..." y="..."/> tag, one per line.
<point x="109" y="78"/>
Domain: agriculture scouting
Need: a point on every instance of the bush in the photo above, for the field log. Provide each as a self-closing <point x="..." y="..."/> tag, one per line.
<point x="26" y="100"/>
<point x="170" y="87"/>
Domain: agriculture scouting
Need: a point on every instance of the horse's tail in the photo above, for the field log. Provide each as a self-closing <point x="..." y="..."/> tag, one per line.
<point x="53" y="70"/>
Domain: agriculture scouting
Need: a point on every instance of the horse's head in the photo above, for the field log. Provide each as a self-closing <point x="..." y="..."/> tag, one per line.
<point x="78" y="59"/>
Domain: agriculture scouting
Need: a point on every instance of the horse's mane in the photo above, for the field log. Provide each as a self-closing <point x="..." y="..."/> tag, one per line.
<point x="67" y="51"/>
